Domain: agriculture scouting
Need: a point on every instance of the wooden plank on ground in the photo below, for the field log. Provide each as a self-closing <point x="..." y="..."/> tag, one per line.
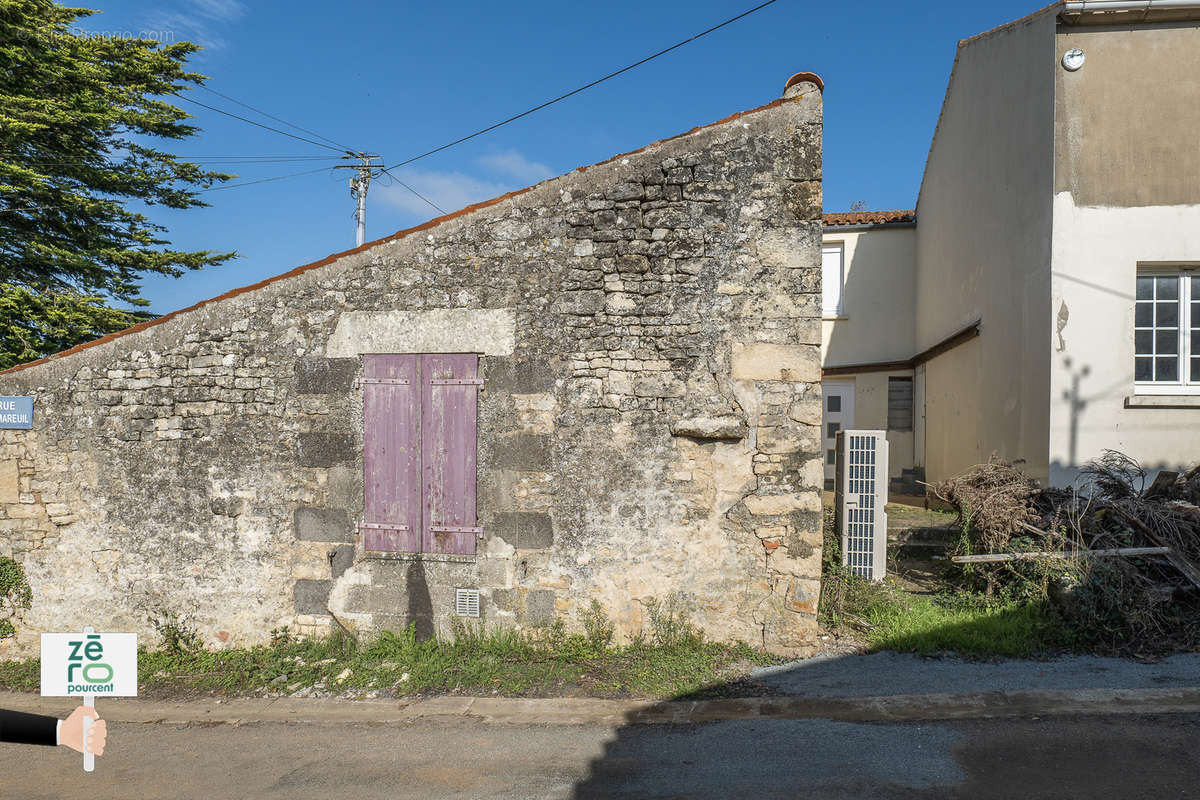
<point x="989" y="558"/>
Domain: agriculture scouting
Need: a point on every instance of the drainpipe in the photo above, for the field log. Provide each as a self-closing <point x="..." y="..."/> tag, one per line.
<point x="1082" y="6"/>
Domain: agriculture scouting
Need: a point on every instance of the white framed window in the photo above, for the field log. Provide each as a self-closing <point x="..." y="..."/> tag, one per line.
<point x="833" y="278"/>
<point x="1166" y="333"/>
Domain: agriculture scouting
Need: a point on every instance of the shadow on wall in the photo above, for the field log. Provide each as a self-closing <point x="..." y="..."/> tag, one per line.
<point x="878" y="324"/>
<point x="1064" y="475"/>
<point x="1076" y="405"/>
<point x="420" y="604"/>
<point x="1077" y="399"/>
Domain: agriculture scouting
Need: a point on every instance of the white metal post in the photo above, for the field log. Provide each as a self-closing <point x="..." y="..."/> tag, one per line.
<point x="361" y="184"/>
<point x="89" y="700"/>
<point x="368" y="167"/>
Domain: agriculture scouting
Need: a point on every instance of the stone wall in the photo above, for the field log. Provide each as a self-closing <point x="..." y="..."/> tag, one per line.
<point x="648" y="331"/>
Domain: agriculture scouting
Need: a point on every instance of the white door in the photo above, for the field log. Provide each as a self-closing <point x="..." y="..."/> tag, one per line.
<point x="837" y="402"/>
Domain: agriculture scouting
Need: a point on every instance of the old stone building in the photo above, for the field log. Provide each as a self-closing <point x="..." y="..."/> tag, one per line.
<point x="605" y="386"/>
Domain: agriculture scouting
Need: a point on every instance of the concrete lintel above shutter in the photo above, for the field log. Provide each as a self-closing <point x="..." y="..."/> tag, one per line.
<point x="490" y="331"/>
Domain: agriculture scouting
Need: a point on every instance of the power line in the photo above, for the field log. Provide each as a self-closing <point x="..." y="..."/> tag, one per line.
<point x="392" y="175"/>
<point x="232" y="160"/>
<point x="251" y="162"/>
<point x="195" y="157"/>
<point x="516" y="117"/>
<point x="211" y="157"/>
<point x="210" y="189"/>
<point x="250" y="159"/>
<point x="272" y="116"/>
<point x="262" y="180"/>
<point x="267" y="127"/>
<point x="331" y="144"/>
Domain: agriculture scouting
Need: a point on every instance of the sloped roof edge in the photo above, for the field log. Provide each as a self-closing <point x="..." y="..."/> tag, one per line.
<point x="1058" y="4"/>
<point x="838" y="220"/>
<point x="962" y="44"/>
<point x="433" y="223"/>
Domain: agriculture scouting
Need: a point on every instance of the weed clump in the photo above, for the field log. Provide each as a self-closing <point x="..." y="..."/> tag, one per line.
<point x="670" y="623"/>
<point x="178" y="633"/>
<point x="15" y="595"/>
<point x="598" y="627"/>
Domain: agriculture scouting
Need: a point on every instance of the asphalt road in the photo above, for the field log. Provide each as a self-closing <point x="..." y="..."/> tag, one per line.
<point x="898" y="673"/>
<point x="1118" y="756"/>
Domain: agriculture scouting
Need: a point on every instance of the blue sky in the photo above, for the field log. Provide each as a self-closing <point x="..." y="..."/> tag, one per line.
<point x="401" y="78"/>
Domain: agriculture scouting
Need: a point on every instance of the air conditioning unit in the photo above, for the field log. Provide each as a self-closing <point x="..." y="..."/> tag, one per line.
<point x="860" y="494"/>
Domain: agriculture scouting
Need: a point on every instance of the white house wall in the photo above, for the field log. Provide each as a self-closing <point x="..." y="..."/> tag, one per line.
<point x="1096" y="254"/>
<point x="879" y="298"/>
<point x="1127" y="183"/>
<point x="983" y="252"/>
<point x="875" y="326"/>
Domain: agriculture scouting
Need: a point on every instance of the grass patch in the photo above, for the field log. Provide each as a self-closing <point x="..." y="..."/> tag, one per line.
<point x="473" y="661"/>
<point x="953" y="619"/>
<point x="887" y="618"/>
<point x="966" y="625"/>
<point x="906" y="516"/>
<point x="23" y="676"/>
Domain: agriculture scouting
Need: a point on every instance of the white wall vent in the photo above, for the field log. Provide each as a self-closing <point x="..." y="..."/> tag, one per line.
<point x="860" y="494"/>
<point x="466" y="602"/>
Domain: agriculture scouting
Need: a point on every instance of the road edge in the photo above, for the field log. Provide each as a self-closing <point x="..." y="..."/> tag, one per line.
<point x="594" y="711"/>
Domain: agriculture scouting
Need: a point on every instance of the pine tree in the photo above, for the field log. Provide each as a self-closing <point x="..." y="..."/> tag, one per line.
<point x="80" y="117"/>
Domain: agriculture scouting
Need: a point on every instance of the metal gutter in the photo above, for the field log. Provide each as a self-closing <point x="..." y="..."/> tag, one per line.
<point x="1086" y="6"/>
<point x="869" y="226"/>
<point x="945" y="345"/>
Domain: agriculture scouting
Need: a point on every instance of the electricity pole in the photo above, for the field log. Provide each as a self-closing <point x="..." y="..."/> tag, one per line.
<point x="369" y="166"/>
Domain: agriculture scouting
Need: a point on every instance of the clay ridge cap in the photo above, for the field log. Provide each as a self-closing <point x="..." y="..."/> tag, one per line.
<point x="401" y="234"/>
<point x="836" y="219"/>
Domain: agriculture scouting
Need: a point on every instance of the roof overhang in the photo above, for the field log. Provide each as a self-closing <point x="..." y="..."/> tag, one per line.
<point x="1124" y="12"/>
<point x="868" y="220"/>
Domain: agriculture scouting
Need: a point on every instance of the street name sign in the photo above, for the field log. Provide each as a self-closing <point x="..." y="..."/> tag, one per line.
<point x="16" y="413"/>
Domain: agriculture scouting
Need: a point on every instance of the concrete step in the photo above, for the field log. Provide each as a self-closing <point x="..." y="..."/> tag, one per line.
<point x="918" y="551"/>
<point x="921" y="543"/>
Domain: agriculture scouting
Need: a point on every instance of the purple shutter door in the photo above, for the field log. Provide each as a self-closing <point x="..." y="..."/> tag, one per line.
<point x="448" y="452"/>
<point x="392" y="454"/>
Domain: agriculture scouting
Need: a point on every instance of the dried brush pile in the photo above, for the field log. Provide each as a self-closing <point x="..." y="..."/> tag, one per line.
<point x="1120" y="604"/>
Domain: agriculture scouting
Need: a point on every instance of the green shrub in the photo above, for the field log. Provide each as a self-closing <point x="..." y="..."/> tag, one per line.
<point x="15" y="595"/>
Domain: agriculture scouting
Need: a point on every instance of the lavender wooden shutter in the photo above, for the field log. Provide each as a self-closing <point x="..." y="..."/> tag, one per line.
<point x="448" y="452"/>
<point x="392" y="453"/>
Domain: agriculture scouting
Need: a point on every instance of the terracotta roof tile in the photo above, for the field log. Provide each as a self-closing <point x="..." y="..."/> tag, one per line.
<point x="870" y="218"/>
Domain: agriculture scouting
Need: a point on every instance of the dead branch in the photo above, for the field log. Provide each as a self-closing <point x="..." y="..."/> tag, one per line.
<point x="1182" y="565"/>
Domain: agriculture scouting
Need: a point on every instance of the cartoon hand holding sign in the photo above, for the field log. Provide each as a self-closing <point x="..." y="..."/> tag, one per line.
<point x="86" y="665"/>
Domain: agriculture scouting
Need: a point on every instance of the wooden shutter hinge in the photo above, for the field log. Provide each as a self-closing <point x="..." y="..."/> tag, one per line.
<point x="376" y="526"/>
<point x="391" y="381"/>
<point x="456" y="381"/>
<point x="454" y="529"/>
